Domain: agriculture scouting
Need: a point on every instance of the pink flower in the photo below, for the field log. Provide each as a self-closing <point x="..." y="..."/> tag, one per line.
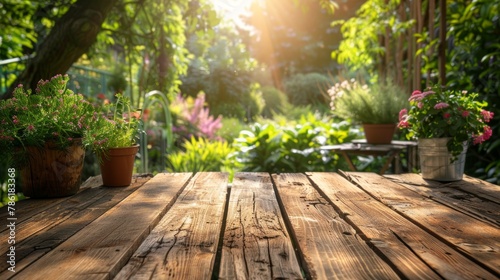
<point x="428" y="93"/>
<point x="416" y="95"/>
<point x="446" y="115"/>
<point x="487" y="115"/>
<point x="487" y="133"/>
<point x="465" y="114"/>
<point x="30" y="127"/>
<point x="402" y="114"/>
<point x="403" y="124"/>
<point x="441" y="105"/>
<point x="420" y="105"/>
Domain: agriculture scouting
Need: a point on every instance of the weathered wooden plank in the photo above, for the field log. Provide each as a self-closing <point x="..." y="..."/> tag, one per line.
<point x="475" y="238"/>
<point x="184" y="243"/>
<point x="459" y="195"/>
<point x="469" y="184"/>
<point x="256" y="242"/>
<point x="100" y="249"/>
<point x="375" y="222"/>
<point x="331" y="248"/>
<point x="48" y="228"/>
<point x="27" y="208"/>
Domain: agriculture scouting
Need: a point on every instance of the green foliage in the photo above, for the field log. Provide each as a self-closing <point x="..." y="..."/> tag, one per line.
<point x="473" y="63"/>
<point x="360" y="47"/>
<point x="294" y="148"/>
<point x="116" y="126"/>
<point x="222" y="69"/>
<point x="374" y="104"/>
<point x="200" y="154"/>
<point x="295" y="36"/>
<point x="275" y="101"/>
<point x="54" y="113"/>
<point x="440" y="112"/>
<point x="17" y="27"/>
<point x="231" y="110"/>
<point x="231" y="128"/>
<point x="303" y="89"/>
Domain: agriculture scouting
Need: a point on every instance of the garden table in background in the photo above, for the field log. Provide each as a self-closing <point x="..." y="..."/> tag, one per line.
<point x="349" y="225"/>
<point x="392" y="152"/>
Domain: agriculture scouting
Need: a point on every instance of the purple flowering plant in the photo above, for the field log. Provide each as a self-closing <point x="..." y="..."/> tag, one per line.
<point x="439" y="113"/>
<point x="52" y="113"/>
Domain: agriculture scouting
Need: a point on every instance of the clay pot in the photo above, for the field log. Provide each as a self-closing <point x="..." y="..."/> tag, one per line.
<point x="379" y="133"/>
<point x="117" y="166"/>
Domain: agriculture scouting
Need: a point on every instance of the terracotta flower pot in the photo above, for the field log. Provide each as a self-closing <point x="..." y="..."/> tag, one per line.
<point x="117" y="166"/>
<point x="379" y="133"/>
<point x="51" y="171"/>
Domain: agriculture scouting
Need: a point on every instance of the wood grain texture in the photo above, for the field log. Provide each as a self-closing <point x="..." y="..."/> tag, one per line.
<point x="375" y="222"/>
<point x="331" y="248"/>
<point x="184" y="243"/>
<point x="50" y="227"/>
<point x="458" y="231"/>
<point x="100" y="249"/>
<point x="475" y="199"/>
<point x="256" y="242"/>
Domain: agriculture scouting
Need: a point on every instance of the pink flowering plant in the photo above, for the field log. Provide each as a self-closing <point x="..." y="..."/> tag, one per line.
<point x="53" y="113"/>
<point x="439" y="113"/>
<point x="117" y="125"/>
<point x="193" y="118"/>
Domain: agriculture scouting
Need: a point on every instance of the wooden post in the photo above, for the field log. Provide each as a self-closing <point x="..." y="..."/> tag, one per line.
<point x="430" y="52"/>
<point x="442" y="42"/>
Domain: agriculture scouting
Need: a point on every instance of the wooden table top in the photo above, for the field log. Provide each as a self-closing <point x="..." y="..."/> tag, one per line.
<point x="350" y="225"/>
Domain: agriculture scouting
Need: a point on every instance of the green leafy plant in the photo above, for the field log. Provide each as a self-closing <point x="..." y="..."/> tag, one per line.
<point x="374" y="104"/>
<point x="201" y="154"/>
<point x="440" y="112"/>
<point x="278" y="148"/>
<point x="275" y="101"/>
<point x="116" y="126"/>
<point x="54" y="114"/>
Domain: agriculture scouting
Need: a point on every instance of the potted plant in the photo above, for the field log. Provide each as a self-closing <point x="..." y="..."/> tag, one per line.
<point x="113" y="138"/>
<point x="41" y="134"/>
<point x="445" y="121"/>
<point x="376" y="107"/>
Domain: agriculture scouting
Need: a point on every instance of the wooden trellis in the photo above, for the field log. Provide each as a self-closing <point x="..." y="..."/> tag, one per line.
<point x="400" y="60"/>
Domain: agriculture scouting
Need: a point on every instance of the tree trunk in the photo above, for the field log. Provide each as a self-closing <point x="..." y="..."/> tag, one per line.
<point x="69" y="39"/>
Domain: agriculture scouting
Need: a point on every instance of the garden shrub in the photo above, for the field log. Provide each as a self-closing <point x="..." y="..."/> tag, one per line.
<point x="231" y="128"/>
<point x="230" y="110"/>
<point x="201" y="154"/>
<point x="275" y="101"/>
<point x="295" y="148"/>
<point x="303" y="89"/>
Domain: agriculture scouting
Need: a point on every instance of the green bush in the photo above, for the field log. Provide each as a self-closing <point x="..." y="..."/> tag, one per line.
<point x="231" y="128"/>
<point x="202" y="155"/>
<point x="303" y="89"/>
<point x="275" y="101"/>
<point x="230" y="110"/>
<point x="273" y="148"/>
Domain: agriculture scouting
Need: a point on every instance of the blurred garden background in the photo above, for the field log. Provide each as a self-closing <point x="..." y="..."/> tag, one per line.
<point x="242" y="85"/>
